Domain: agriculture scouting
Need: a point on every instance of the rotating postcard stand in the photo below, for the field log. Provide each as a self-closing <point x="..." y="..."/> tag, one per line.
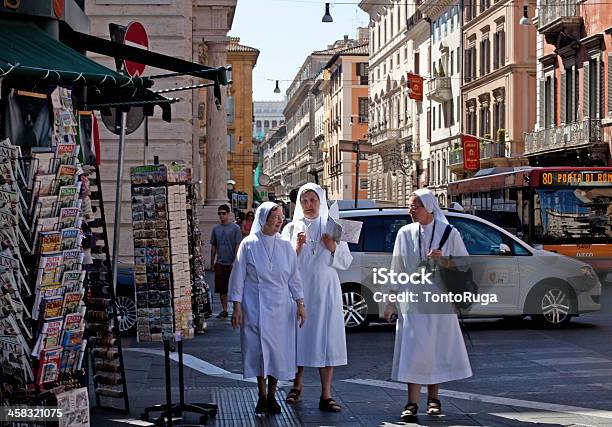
<point x="162" y="274"/>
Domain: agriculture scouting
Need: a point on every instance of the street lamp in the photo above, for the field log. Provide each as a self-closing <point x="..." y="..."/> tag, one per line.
<point x="525" y="19"/>
<point x="277" y="89"/>
<point x="327" y="17"/>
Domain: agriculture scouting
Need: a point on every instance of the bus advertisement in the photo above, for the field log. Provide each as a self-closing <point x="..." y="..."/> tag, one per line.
<point x="561" y="209"/>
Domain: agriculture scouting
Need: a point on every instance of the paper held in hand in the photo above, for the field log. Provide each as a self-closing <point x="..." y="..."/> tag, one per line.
<point x="350" y="230"/>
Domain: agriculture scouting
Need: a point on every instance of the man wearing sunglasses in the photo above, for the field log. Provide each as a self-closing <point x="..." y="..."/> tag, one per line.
<point x="225" y="239"/>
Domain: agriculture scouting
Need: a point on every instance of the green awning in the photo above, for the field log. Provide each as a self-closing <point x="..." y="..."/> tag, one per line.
<point x="28" y="52"/>
<point x="29" y="56"/>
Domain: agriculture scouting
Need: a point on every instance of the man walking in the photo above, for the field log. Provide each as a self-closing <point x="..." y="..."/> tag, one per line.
<point x="225" y="239"/>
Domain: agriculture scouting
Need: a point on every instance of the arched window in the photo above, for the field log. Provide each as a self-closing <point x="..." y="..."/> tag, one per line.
<point x="273" y="123"/>
<point x="258" y="124"/>
<point x="266" y="124"/>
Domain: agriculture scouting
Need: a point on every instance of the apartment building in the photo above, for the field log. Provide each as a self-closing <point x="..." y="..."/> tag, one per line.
<point x="267" y="115"/>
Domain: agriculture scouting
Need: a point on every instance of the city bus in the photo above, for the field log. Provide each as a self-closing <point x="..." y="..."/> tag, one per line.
<point x="567" y="210"/>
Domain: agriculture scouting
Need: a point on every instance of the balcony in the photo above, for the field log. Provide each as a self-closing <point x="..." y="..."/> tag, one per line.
<point x="573" y="135"/>
<point x="414" y="20"/>
<point x="439" y="89"/>
<point x="492" y="154"/>
<point x="560" y="22"/>
<point x="385" y="136"/>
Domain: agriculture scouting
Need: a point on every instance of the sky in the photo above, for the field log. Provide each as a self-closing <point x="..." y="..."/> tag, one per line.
<point x="285" y="32"/>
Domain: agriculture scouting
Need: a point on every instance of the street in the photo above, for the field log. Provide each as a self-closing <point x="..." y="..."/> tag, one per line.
<point x="522" y="377"/>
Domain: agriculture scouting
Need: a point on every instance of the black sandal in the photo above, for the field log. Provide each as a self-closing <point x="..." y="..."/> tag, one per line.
<point x="409" y="414"/>
<point x="273" y="407"/>
<point x="294" y="396"/>
<point x="262" y="402"/>
<point x="329" y="405"/>
<point x="434" y="407"/>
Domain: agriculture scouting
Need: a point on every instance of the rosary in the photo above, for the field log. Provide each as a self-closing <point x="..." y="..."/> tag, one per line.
<point x="315" y="243"/>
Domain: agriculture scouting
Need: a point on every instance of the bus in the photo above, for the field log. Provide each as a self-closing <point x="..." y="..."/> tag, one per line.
<point x="567" y="210"/>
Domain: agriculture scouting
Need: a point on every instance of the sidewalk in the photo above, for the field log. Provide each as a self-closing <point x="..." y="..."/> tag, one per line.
<point x="214" y="376"/>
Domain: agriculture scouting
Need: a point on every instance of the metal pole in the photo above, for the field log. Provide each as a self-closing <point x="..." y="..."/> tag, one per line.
<point x="357" y="176"/>
<point x="146" y="137"/>
<point x="168" y="384"/>
<point x="118" y="189"/>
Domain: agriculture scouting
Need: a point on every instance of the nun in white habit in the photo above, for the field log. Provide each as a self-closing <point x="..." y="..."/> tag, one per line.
<point x="263" y="286"/>
<point x="322" y="342"/>
<point x="429" y="348"/>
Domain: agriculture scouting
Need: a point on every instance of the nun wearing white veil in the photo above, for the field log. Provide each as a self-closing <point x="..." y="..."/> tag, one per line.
<point x="322" y="342"/>
<point x="264" y="286"/>
<point x="429" y="348"/>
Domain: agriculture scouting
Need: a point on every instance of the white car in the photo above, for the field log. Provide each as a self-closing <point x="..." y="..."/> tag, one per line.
<point x="549" y="287"/>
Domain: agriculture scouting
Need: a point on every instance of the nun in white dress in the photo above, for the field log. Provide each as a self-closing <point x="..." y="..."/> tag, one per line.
<point x="322" y="341"/>
<point x="429" y="348"/>
<point x="263" y="286"/>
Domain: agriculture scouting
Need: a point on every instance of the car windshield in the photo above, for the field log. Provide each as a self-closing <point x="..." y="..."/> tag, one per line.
<point x="570" y="215"/>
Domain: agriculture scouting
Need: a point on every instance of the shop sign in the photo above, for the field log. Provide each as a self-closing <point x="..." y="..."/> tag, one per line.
<point x="471" y="152"/>
<point x="415" y="84"/>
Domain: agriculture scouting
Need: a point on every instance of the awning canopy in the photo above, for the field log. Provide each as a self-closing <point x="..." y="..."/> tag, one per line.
<point x="29" y="54"/>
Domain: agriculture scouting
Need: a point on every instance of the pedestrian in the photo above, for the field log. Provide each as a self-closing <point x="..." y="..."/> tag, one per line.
<point x="322" y="342"/>
<point x="245" y="228"/>
<point x="263" y="285"/>
<point x="240" y="217"/>
<point x="224" y="239"/>
<point x="429" y="348"/>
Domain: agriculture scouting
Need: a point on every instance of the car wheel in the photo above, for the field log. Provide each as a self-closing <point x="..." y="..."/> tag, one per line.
<point x="356" y="308"/>
<point x="553" y="306"/>
<point x="126" y="314"/>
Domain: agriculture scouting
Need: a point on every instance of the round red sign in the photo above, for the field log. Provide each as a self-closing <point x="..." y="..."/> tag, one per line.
<point x="135" y="36"/>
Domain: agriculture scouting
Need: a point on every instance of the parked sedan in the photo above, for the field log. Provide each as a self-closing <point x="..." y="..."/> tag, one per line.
<point x="548" y="287"/>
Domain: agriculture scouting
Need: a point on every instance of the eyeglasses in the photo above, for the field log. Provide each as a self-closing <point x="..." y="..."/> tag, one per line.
<point x="277" y="217"/>
<point x="222" y="213"/>
<point x="414" y="207"/>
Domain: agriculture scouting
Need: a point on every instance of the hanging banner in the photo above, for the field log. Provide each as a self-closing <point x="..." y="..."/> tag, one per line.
<point x="471" y="152"/>
<point x="415" y="84"/>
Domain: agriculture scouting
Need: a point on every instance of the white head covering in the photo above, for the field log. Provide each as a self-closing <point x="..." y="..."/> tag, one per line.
<point x="261" y="216"/>
<point x="298" y="214"/>
<point x="431" y="204"/>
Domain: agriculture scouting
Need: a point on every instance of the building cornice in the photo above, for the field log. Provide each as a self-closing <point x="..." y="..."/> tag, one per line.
<point x="501" y="72"/>
<point x="476" y="22"/>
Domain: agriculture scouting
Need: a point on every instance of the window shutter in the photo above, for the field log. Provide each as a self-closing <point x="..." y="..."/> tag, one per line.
<point x="610" y="84"/>
<point x="502" y="48"/>
<point x="563" y="98"/>
<point x="553" y="101"/>
<point x="585" y="90"/>
<point x="542" y="106"/>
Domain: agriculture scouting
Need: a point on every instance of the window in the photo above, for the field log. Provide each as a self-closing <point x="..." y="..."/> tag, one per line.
<point x="479" y="238"/>
<point x="363" y="110"/>
<point x="499" y="49"/>
<point x="258" y="124"/>
<point x="485" y="56"/>
<point x="445" y="23"/>
<point x="230" y="142"/>
<point x="451" y="112"/>
<point x="362" y="73"/>
<point x="484" y="120"/>
<point x="378" y="233"/>
<point x="439" y="27"/>
<point x="416" y="62"/>
<point x="452" y="18"/>
<point x="363" y="183"/>
<point x="452" y="63"/>
<point x="274" y="123"/>
<point x="229" y="109"/>
<point x="434" y="118"/>
<point x="390" y="63"/>
<point x="440" y="116"/>
<point x="433" y="31"/>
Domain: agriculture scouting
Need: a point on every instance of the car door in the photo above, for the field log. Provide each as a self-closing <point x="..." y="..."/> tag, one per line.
<point x="494" y="273"/>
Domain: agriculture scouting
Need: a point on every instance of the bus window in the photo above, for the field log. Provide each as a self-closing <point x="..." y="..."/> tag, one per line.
<point x="566" y="214"/>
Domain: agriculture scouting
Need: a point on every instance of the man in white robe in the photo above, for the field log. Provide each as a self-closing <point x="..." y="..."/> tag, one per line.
<point x="263" y="285"/>
<point x="322" y="341"/>
<point x="429" y="348"/>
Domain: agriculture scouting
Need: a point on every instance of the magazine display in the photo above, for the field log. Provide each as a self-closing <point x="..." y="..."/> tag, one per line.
<point x="161" y="256"/>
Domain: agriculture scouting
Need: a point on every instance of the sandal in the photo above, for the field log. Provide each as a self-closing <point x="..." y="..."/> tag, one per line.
<point x="273" y="407"/>
<point x="260" y="408"/>
<point x="294" y="396"/>
<point x="329" y="405"/>
<point x="409" y="414"/>
<point x="434" y="407"/>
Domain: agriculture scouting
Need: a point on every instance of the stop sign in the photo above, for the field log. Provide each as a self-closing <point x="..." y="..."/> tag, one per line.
<point x="135" y="36"/>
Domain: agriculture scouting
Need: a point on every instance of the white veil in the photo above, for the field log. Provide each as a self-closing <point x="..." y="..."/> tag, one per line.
<point x="431" y="204"/>
<point x="261" y="216"/>
<point x="298" y="214"/>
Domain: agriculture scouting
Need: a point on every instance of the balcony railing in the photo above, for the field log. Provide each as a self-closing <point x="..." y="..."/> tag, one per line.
<point x="439" y="89"/>
<point x="455" y="157"/>
<point x="414" y="20"/>
<point x="385" y="135"/>
<point x="548" y="13"/>
<point x="562" y="137"/>
<point x="493" y="150"/>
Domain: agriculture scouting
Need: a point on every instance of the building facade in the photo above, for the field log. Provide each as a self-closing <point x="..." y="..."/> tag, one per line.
<point x="194" y="31"/>
<point x="574" y="85"/>
<point x="239" y="109"/>
<point x="345" y="100"/>
<point x="267" y="115"/>
<point x="443" y="91"/>
<point x="398" y="126"/>
<point x="499" y="69"/>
